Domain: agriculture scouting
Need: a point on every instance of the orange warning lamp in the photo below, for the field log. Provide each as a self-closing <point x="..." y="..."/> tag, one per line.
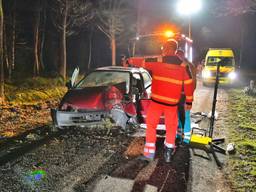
<point x="169" y="34"/>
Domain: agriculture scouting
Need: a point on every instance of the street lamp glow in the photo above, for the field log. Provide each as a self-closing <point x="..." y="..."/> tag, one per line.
<point x="188" y="7"/>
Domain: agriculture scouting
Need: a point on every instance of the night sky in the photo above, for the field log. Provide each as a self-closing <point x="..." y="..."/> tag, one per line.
<point x="208" y="30"/>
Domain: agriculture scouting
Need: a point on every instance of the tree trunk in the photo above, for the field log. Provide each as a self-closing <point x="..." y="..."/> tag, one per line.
<point x="90" y="50"/>
<point x="113" y="50"/>
<point x="5" y="51"/>
<point x="1" y="52"/>
<point x="36" y="44"/>
<point x="13" y="40"/>
<point x="241" y="43"/>
<point x="42" y="36"/>
<point x="63" y="57"/>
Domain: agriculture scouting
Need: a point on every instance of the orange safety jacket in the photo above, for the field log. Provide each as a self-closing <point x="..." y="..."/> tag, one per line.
<point x="169" y="76"/>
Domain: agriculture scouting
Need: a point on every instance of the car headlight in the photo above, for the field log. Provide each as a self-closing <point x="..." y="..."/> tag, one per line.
<point x="206" y="74"/>
<point x="68" y="107"/>
<point x="232" y="75"/>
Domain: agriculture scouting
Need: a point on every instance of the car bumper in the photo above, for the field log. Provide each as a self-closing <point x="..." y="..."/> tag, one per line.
<point x="224" y="81"/>
<point x="67" y="118"/>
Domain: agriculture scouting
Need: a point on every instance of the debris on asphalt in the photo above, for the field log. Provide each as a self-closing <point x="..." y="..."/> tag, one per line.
<point x="231" y="149"/>
<point x="32" y="137"/>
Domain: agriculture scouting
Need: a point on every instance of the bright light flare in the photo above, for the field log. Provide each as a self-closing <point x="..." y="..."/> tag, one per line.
<point x="206" y="74"/>
<point x="188" y="7"/>
<point x="169" y="34"/>
<point x="232" y="75"/>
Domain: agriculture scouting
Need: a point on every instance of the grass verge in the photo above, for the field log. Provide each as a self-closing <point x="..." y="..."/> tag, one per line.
<point x="34" y="90"/>
<point x="242" y="131"/>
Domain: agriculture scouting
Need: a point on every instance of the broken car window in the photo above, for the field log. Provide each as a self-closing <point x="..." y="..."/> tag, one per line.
<point x="106" y="78"/>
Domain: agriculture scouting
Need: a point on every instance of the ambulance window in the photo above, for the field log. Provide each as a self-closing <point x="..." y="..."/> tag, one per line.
<point x="227" y="61"/>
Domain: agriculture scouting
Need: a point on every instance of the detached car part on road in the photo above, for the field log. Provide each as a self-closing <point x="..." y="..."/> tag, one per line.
<point x="116" y="93"/>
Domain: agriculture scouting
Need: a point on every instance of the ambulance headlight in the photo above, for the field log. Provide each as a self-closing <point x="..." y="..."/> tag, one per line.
<point x="232" y="75"/>
<point x="206" y="74"/>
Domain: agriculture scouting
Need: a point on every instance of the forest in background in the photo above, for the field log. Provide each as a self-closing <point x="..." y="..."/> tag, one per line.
<point x="50" y="38"/>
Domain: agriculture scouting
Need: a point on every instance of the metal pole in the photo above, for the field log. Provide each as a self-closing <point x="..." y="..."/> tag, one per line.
<point x="214" y="100"/>
<point x="189" y="27"/>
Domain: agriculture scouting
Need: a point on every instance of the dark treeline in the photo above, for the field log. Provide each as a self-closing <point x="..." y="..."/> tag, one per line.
<point x="50" y="38"/>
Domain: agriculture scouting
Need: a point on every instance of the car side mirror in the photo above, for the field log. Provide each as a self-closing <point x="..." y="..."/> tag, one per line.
<point x="69" y="84"/>
<point x="74" y="77"/>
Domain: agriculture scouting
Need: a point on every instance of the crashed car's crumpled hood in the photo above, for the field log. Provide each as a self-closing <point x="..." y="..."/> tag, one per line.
<point x="89" y="98"/>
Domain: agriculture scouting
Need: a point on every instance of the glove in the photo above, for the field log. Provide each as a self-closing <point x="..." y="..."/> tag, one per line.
<point x="188" y="106"/>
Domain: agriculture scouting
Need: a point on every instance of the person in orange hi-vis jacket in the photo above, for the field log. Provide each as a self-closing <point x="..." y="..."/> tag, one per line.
<point x="168" y="77"/>
<point x="184" y="125"/>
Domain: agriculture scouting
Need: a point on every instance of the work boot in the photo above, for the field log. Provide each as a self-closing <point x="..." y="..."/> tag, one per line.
<point x="168" y="154"/>
<point x="145" y="158"/>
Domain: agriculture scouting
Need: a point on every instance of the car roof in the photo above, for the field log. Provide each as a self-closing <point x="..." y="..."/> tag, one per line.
<point x="121" y="69"/>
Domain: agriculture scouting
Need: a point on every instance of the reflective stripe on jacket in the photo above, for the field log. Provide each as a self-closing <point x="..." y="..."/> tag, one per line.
<point x="168" y="78"/>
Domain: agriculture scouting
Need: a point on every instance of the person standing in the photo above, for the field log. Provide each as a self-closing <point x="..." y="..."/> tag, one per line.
<point x="184" y="125"/>
<point x="168" y="78"/>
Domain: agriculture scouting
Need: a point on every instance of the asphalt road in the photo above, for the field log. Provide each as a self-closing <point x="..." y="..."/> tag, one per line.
<point x="204" y="173"/>
<point x="193" y="169"/>
<point x="92" y="160"/>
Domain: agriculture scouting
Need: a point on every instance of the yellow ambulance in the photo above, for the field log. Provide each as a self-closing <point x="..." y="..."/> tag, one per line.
<point x="227" y="69"/>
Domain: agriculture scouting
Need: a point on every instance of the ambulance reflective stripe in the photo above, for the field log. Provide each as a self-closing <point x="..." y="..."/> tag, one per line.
<point x="169" y="80"/>
<point x="153" y="95"/>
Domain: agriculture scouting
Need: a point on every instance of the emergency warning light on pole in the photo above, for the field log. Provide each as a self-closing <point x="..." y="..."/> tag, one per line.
<point x="169" y="34"/>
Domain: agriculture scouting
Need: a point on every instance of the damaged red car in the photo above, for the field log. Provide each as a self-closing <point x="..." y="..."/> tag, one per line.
<point x="116" y="93"/>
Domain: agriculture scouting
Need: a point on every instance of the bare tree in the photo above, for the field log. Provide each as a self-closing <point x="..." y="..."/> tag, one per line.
<point x="1" y="52"/>
<point x="69" y="16"/>
<point x="13" y="39"/>
<point x="37" y="17"/>
<point x="112" y="14"/>
<point x="234" y="7"/>
<point x="9" y="38"/>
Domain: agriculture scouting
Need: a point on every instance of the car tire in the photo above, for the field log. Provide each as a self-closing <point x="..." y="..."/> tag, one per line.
<point x="54" y="128"/>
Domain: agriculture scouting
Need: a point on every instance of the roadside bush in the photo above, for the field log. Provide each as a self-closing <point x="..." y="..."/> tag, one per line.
<point x="34" y="90"/>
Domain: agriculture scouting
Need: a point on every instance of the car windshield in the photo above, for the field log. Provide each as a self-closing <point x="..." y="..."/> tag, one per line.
<point x="227" y="61"/>
<point x="106" y="78"/>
